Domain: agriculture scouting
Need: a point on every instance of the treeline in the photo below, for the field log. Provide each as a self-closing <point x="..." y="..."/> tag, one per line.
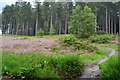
<point x="23" y="19"/>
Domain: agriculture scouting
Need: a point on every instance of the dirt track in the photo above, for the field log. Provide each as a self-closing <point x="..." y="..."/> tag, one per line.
<point x="16" y="44"/>
<point x="92" y="71"/>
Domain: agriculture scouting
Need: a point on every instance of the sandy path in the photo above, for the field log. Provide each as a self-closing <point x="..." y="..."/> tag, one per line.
<point x="93" y="71"/>
<point x="16" y="44"/>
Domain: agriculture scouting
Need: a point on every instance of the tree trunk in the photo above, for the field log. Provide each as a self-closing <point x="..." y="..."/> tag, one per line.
<point x="106" y="21"/>
<point x="114" y="26"/>
<point x="103" y="28"/>
<point x="59" y="26"/>
<point x="51" y="20"/>
<point x="10" y="27"/>
<point x="27" y="28"/>
<point x="95" y="21"/>
<point x="17" y="28"/>
<point x="100" y="28"/>
<point x="109" y="24"/>
<point x="51" y="24"/>
<point x="66" y="24"/>
<point x="119" y="20"/>
<point x="56" y="26"/>
<point x="48" y="24"/>
<point x="23" y="29"/>
<point x="45" y="24"/>
<point x="36" y="27"/>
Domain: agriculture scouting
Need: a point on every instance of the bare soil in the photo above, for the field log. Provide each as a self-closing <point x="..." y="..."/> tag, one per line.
<point x="116" y="40"/>
<point x="18" y="44"/>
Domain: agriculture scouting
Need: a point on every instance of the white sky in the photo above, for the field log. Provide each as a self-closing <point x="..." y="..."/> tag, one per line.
<point x="9" y="2"/>
<point x="0" y="32"/>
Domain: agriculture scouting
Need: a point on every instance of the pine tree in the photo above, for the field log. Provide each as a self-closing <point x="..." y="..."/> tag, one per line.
<point x="88" y="21"/>
<point x="40" y="32"/>
<point x="52" y="30"/>
<point x="20" y="18"/>
<point x="82" y="21"/>
<point x="76" y="20"/>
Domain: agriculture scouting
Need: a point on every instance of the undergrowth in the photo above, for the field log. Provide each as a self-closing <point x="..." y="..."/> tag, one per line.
<point x="100" y="38"/>
<point x="38" y="66"/>
<point x="72" y="41"/>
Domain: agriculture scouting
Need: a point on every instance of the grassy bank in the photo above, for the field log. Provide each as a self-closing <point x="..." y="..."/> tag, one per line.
<point x="41" y="66"/>
<point x="19" y="65"/>
<point x="110" y="69"/>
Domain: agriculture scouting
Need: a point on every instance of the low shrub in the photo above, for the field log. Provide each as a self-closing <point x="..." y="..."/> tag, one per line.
<point x="85" y="46"/>
<point x="111" y="68"/>
<point x="68" y="40"/>
<point x="52" y="30"/>
<point x="100" y="39"/>
<point x="72" y="41"/>
<point x="40" y="32"/>
<point x="68" y="66"/>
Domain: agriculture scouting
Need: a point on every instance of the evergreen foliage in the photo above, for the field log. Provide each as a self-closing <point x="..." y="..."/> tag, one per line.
<point x="40" y="32"/>
<point x="100" y="39"/>
<point x="52" y="30"/>
<point x="82" y="21"/>
<point x="21" y="18"/>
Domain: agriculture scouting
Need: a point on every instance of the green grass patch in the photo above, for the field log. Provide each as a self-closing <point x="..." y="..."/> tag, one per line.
<point x="22" y="66"/>
<point x="16" y="35"/>
<point x="92" y="58"/>
<point x="106" y="46"/>
<point x="111" y="68"/>
<point x="55" y="37"/>
<point x="27" y="66"/>
<point x="0" y="63"/>
<point x="98" y="55"/>
<point x="103" y="52"/>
